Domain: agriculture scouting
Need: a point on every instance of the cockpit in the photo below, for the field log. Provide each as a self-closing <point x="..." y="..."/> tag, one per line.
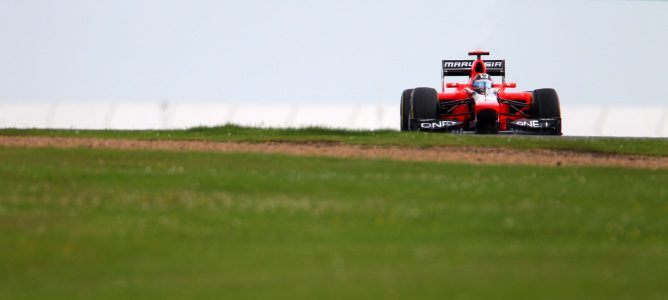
<point x="482" y="86"/>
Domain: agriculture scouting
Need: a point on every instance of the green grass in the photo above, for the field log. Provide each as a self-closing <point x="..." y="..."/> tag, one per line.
<point x="641" y="146"/>
<point x="109" y="224"/>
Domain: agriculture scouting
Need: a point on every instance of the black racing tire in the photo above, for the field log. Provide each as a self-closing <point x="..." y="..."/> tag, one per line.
<point x="546" y="105"/>
<point x="424" y="103"/>
<point x="405" y="109"/>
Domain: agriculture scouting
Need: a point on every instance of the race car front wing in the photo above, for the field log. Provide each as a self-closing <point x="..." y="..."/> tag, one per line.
<point x="535" y="126"/>
<point x="522" y="126"/>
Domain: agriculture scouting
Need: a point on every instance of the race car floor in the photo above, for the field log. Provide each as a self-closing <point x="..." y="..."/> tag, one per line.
<point x="473" y="155"/>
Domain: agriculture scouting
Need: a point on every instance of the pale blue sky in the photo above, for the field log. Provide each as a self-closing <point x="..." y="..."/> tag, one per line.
<point x="324" y="51"/>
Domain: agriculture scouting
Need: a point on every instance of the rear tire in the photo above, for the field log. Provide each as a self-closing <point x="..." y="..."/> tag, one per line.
<point x="405" y="109"/>
<point x="546" y="105"/>
<point x="424" y="103"/>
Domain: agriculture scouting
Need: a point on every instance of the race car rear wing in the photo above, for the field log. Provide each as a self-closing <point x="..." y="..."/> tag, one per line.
<point x="463" y="67"/>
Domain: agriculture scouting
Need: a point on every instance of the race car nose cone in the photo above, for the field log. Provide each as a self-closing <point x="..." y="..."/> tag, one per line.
<point x="487" y="121"/>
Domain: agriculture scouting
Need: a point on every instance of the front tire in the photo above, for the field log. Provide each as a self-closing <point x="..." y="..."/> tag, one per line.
<point x="424" y="104"/>
<point x="546" y="105"/>
<point x="405" y="109"/>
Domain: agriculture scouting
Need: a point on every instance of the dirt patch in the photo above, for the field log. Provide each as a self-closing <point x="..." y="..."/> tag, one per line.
<point x="475" y="155"/>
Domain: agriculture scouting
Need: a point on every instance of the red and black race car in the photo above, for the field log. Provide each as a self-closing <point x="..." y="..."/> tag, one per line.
<point x="480" y="105"/>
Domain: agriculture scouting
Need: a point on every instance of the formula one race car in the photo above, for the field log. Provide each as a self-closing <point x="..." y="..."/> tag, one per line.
<point x="480" y="106"/>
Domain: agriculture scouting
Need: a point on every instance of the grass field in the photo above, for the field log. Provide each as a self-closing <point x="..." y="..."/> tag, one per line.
<point x="640" y="146"/>
<point x="138" y="224"/>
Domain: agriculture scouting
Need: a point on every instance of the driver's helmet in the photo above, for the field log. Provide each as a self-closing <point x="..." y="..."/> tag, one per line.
<point x="482" y="82"/>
